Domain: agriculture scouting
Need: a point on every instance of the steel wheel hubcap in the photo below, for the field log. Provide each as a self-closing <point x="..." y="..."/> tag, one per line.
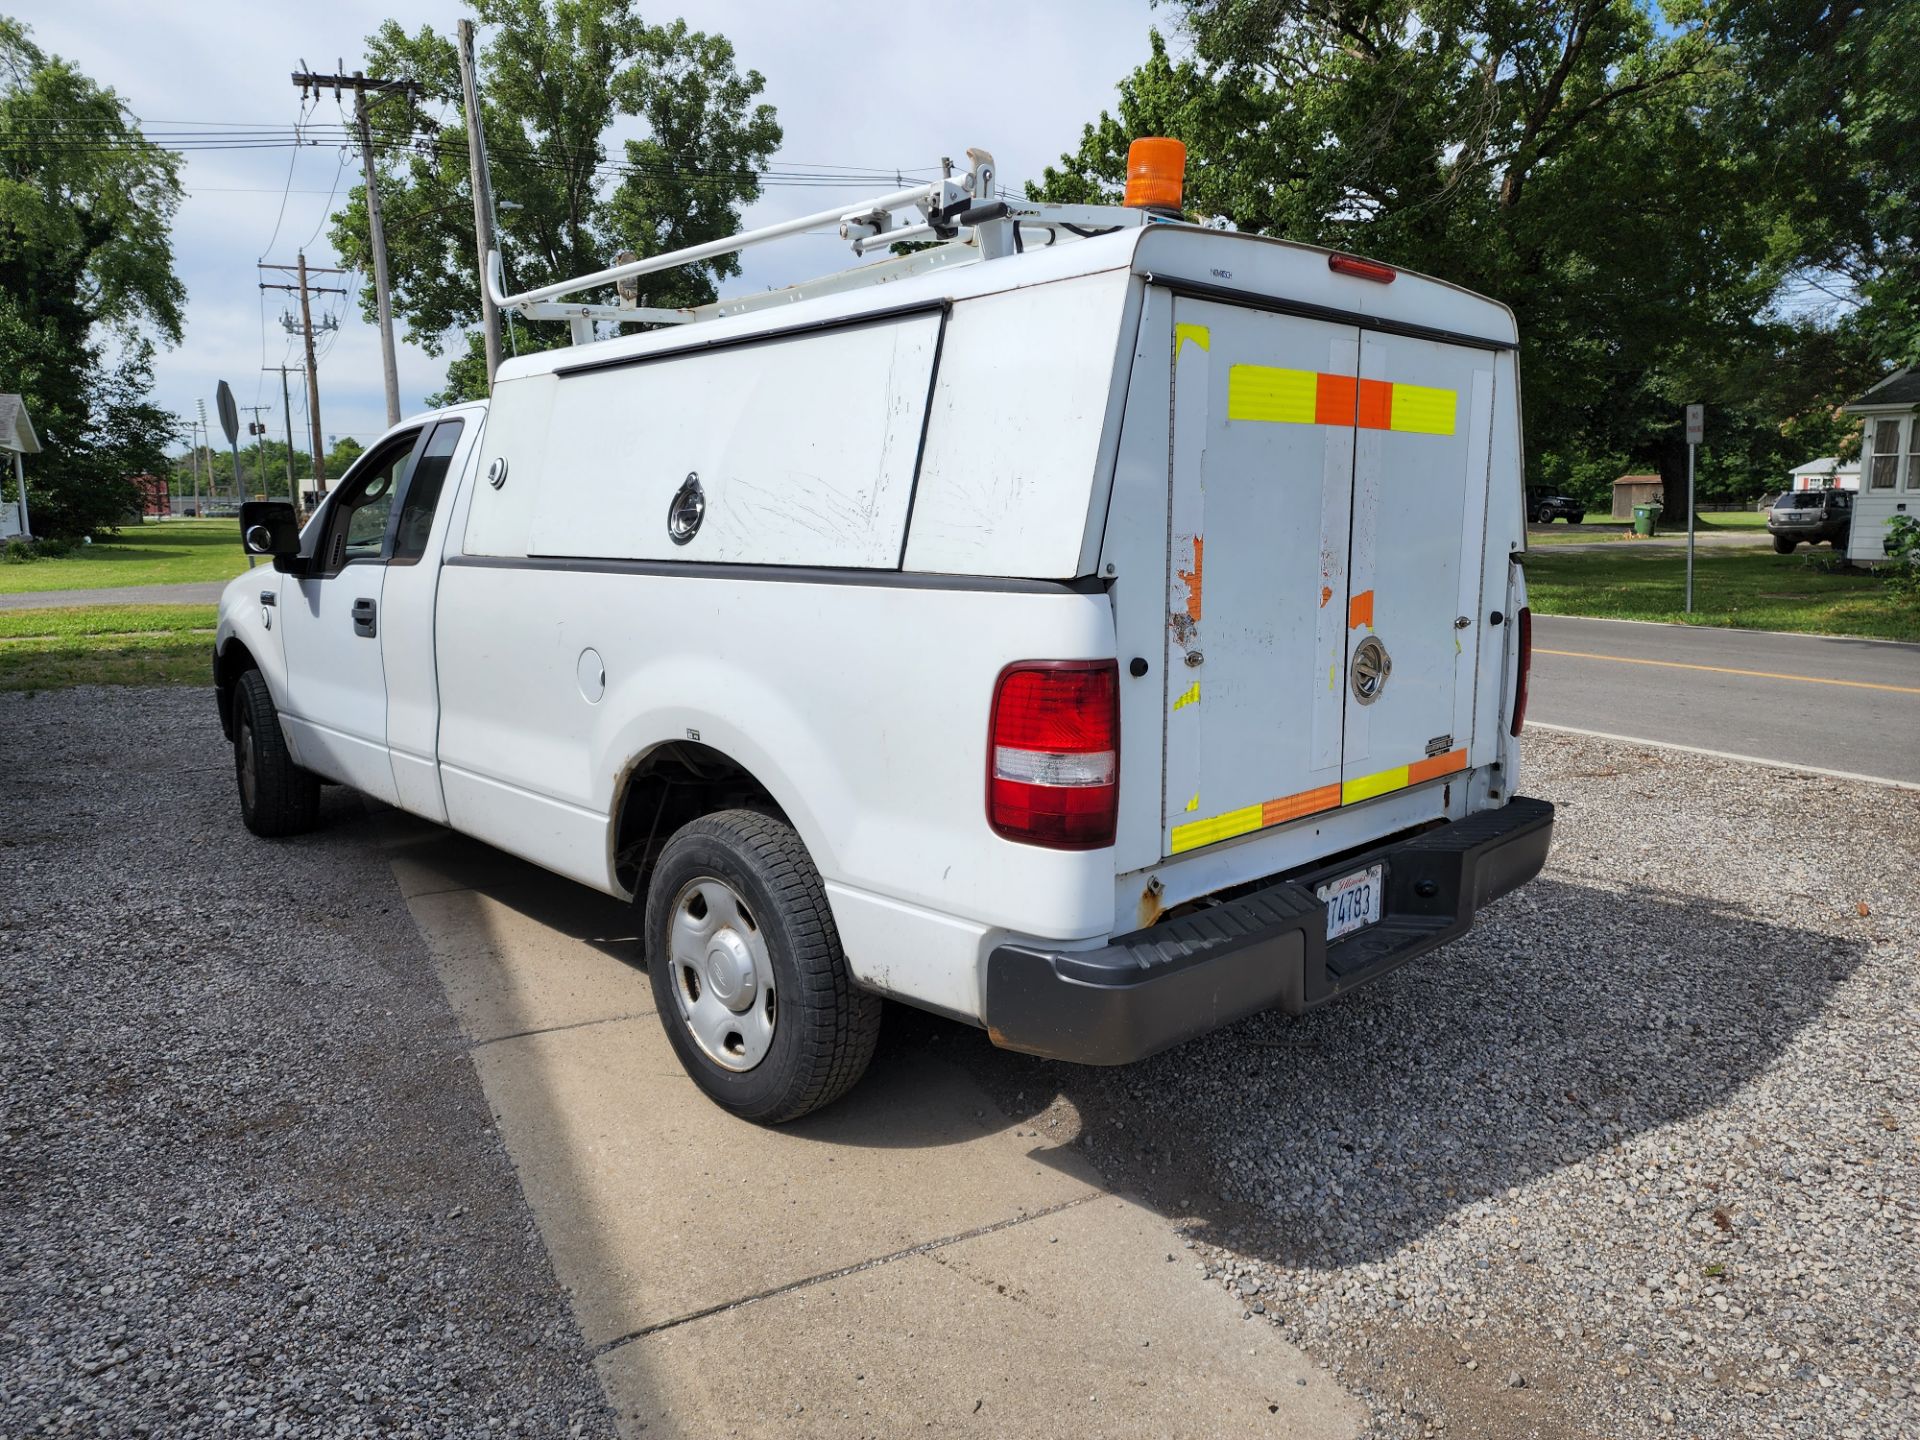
<point x="722" y="974"/>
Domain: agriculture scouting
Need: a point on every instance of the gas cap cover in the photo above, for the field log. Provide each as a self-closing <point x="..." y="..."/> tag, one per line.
<point x="687" y="510"/>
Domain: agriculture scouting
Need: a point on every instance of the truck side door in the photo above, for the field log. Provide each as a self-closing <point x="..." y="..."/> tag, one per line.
<point x="407" y="610"/>
<point x="336" y="706"/>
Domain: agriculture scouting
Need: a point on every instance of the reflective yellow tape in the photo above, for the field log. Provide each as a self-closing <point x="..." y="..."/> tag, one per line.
<point x="1423" y="410"/>
<point x="1189" y="696"/>
<point x="1262" y="392"/>
<point x="1196" y="833"/>
<point x="1368" y="786"/>
<point x="1193" y="804"/>
<point x="1198" y="334"/>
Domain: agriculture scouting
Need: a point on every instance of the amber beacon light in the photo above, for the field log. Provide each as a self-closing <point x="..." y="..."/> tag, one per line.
<point x="1156" y="169"/>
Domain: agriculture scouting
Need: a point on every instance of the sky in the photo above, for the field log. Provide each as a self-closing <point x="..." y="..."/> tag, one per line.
<point x="855" y="84"/>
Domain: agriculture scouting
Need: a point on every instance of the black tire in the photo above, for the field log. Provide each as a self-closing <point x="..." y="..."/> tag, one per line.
<point x="1782" y="545"/>
<point x="1545" y="517"/>
<point x="824" y="1027"/>
<point x="1579" y="519"/>
<point x="277" y="797"/>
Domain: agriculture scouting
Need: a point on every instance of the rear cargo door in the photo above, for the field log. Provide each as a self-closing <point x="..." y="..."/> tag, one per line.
<point x="1326" y="517"/>
<point x="1423" y="431"/>
<point x="1259" y="519"/>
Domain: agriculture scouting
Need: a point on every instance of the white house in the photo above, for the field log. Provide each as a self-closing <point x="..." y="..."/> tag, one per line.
<point x="1889" y="462"/>
<point x="1827" y="471"/>
<point x="17" y="437"/>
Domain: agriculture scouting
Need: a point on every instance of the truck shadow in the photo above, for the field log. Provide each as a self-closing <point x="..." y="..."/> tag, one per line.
<point x="1571" y="1019"/>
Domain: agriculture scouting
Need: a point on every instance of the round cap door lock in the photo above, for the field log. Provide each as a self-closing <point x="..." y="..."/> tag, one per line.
<point x="687" y="510"/>
<point x="1369" y="669"/>
<point x="497" y="472"/>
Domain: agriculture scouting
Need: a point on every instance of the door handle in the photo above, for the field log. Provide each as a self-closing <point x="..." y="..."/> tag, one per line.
<point x="267" y="597"/>
<point x="363" y="612"/>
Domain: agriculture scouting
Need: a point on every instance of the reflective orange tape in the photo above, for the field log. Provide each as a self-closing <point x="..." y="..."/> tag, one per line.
<point x="1434" y="766"/>
<point x="1292" y="807"/>
<point x="1376" y="405"/>
<point x="1360" y="610"/>
<point x="1333" y="400"/>
<point x="1312" y="397"/>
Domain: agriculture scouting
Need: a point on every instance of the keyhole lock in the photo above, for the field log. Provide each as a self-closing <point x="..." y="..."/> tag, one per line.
<point x="1195" y="659"/>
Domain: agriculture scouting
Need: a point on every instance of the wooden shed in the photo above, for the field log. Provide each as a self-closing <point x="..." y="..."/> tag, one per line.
<point x="1632" y="490"/>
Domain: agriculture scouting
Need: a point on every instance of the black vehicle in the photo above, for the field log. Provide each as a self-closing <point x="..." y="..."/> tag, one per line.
<point x="1812" y="516"/>
<point x="1544" y="508"/>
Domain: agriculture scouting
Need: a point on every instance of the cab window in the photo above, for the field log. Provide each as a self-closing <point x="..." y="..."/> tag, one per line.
<point x="363" y="504"/>
<point x="424" y="485"/>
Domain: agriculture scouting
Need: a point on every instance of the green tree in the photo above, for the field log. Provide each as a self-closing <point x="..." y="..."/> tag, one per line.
<point x="556" y="75"/>
<point x="1612" y="179"/>
<point x="86" y="284"/>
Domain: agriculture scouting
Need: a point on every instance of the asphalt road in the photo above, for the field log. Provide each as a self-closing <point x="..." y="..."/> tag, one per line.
<point x="192" y="592"/>
<point x="1810" y="701"/>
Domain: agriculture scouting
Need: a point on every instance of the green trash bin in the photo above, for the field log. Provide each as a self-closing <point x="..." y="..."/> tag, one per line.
<point x="1646" y="519"/>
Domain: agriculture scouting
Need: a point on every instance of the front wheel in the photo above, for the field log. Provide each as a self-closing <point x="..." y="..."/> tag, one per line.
<point x="747" y="970"/>
<point x="1545" y="517"/>
<point x="1579" y="519"/>
<point x="1782" y="545"/>
<point x="277" y="797"/>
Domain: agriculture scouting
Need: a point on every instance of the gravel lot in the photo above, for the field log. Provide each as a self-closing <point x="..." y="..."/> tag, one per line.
<point x="248" y="1182"/>
<point x="1635" y="1158"/>
<point x="1638" y="1157"/>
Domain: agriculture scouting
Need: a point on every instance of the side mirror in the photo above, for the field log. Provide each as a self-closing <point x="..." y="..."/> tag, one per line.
<point x="269" y="527"/>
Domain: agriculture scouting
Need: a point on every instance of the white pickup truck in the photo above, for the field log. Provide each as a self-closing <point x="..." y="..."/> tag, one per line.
<point x="1092" y="639"/>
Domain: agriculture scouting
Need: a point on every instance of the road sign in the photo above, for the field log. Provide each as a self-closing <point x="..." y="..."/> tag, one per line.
<point x="1696" y="424"/>
<point x="229" y="412"/>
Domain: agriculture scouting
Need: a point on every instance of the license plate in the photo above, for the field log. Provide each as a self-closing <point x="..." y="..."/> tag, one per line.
<point x="1352" y="901"/>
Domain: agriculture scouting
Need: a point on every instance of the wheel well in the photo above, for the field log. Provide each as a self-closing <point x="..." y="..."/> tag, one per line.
<point x="669" y="786"/>
<point x="229" y="663"/>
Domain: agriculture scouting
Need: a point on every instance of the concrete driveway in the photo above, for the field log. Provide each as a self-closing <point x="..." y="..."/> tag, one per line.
<point x="908" y="1260"/>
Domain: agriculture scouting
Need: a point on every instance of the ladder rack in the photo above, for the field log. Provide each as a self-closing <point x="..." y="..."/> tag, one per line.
<point x="959" y="210"/>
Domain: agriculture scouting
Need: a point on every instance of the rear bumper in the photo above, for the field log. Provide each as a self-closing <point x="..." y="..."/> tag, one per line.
<point x="1157" y="987"/>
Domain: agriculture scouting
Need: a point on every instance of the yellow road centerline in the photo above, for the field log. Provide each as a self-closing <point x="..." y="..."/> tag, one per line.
<point x="1730" y="670"/>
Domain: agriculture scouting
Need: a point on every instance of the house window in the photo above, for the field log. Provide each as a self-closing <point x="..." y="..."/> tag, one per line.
<point x="1886" y="454"/>
<point x="1913" y="452"/>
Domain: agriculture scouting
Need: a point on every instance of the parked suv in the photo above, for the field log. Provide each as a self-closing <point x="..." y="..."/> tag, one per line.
<point x="1546" y="508"/>
<point x="1812" y="516"/>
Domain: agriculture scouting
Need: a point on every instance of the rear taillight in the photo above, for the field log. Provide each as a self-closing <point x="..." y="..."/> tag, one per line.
<point x="1053" y="753"/>
<point x="1525" y="621"/>
<point x="1361" y="269"/>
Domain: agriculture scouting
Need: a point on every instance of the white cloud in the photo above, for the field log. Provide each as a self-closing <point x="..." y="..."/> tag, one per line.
<point x="865" y="84"/>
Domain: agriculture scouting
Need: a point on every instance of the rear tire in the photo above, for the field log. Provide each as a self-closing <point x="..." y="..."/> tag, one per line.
<point x="277" y="797"/>
<point x="747" y="971"/>
<point x="1782" y="545"/>
<point x="1579" y="519"/>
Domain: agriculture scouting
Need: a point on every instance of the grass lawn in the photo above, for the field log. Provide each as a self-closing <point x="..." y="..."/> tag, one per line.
<point x="1741" y="588"/>
<point x="106" y="645"/>
<point x="160" y="552"/>
<point x="1731" y="520"/>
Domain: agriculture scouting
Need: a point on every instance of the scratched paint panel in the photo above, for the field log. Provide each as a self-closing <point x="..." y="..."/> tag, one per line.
<point x="1267" y="392"/>
<point x="1193" y="381"/>
<point x="1326" y="682"/>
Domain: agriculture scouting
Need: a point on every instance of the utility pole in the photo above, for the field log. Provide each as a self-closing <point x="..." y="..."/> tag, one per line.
<point x="362" y="86"/>
<point x="286" y="407"/>
<point x="482" y="198"/>
<point x="200" y="447"/>
<point x="306" y="335"/>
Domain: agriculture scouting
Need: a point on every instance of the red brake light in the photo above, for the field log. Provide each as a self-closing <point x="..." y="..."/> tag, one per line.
<point x="1053" y="753"/>
<point x="1361" y="269"/>
<point x="1525" y="619"/>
